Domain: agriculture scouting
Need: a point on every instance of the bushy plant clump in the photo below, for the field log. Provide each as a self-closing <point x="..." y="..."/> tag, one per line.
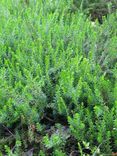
<point x="58" y="80"/>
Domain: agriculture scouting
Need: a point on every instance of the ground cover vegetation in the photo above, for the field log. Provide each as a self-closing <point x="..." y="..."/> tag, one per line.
<point x="58" y="77"/>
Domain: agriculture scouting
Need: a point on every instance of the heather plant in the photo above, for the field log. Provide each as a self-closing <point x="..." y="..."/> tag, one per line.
<point x="58" y="79"/>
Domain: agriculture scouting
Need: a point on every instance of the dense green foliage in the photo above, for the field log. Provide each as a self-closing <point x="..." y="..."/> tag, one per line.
<point x="58" y="80"/>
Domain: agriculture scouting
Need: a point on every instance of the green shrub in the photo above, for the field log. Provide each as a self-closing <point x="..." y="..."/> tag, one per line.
<point x="58" y="80"/>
